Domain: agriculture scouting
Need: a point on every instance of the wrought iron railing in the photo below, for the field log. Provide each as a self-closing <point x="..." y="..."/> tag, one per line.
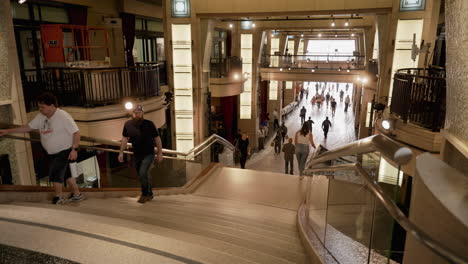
<point x="419" y="97"/>
<point x="162" y="69"/>
<point x="223" y="67"/>
<point x="90" y="87"/>
<point x="314" y="61"/>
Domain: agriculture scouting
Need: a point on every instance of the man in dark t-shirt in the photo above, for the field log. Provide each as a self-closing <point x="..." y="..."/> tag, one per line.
<point x="143" y="135"/>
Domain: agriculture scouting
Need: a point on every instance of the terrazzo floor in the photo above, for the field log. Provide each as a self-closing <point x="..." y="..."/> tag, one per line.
<point x="341" y="133"/>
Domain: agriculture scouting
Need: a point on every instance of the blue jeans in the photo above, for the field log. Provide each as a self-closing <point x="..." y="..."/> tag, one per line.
<point x="142" y="165"/>
<point x="302" y="152"/>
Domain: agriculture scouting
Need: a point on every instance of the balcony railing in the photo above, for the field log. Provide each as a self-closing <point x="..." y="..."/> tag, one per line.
<point x="90" y="87"/>
<point x="419" y="97"/>
<point x="162" y="69"/>
<point x="317" y="61"/>
<point x="223" y="67"/>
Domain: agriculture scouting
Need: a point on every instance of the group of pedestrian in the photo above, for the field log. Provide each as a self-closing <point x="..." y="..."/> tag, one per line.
<point x="60" y="137"/>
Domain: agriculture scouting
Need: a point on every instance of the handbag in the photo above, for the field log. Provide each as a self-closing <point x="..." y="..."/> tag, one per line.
<point x="272" y="144"/>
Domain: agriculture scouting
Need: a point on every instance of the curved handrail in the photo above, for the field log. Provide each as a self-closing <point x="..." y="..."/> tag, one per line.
<point x="387" y="147"/>
<point x="425" y="239"/>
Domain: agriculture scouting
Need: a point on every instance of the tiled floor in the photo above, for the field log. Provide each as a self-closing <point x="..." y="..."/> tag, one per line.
<point x="341" y="132"/>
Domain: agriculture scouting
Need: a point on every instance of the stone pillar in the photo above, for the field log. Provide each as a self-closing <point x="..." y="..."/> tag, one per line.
<point x="251" y="125"/>
<point x="282" y="47"/>
<point x="12" y="109"/>
<point x="456" y="117"/>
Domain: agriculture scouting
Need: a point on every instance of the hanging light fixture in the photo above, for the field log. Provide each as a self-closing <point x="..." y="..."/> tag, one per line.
<point x="346" y="23"/>
<point x="348" y="70"/>
<point x="231" y="25"/>
<point x="253" y="25"/>
<point x="339" y="68"/>
<point x="333" y="23"/>
<point x="320" y="35"/>
<point x="352" y="35"/>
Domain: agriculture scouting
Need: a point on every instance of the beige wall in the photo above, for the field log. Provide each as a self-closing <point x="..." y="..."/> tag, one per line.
<point x="268" y="6"/>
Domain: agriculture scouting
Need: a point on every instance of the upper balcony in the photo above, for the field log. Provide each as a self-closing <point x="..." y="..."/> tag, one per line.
<point x="417" y="108"/>
<point x="92" y="87"/>
<point x="226" y="76"/>
<point x="312" y="66"/>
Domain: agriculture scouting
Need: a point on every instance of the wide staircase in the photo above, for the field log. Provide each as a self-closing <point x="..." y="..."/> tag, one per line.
<point x="342" y="211"/>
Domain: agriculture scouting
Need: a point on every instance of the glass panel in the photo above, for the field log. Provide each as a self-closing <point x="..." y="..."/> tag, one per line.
<point x="349" y="220"/>
<point x="160" y="47"/>
<point x="317" y="205"/>
<point x="54" y="14"/>
<point x="155" y="26"/>
<point x="19" y="11"/>
<point x="138" y="24"/>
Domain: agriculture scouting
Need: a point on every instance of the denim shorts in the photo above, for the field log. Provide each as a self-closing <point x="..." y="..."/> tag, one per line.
<point x="59" y="170"/>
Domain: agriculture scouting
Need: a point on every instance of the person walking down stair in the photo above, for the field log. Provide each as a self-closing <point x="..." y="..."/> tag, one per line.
<point x="326" y="124"/>
<point x="244" y="148"/>
<point x="283" y="130"/>
<point x="302" y="139"/>
<point x="60" y="137"/>
<point x="143" y="135"/>
<point x="303" y="114"/>
<point x="277" y="142"/>
<point x="289" y="149"/>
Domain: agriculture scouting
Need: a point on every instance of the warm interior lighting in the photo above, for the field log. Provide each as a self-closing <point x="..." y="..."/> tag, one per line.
<point x="386" y="124"/>
<point x="348" y="70"/>
<point x="320" y="35"/>
<point x="281" y="69"/>
<point x="302" y="35"/>
<point x="313" y="70"/>
<point x="352" y="35"/>
<point x="289" y="68"/>
<point x="346" y="24"/>
<point x="339" y="68"/>
<point x="231" y="25"/>
<point x="253" y="25"/>
<point x="21" y="2"/>
<point x="336" y="35"/>
<point x="236" y="76"/>
<point x="333" y="23"/>
<point x="128" y="105"/>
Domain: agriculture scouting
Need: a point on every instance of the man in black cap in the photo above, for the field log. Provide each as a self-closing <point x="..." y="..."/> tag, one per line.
<point x="143" y="135"/>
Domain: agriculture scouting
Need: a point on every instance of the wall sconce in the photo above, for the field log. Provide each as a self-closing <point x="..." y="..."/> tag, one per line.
<point x="180" y="8"/>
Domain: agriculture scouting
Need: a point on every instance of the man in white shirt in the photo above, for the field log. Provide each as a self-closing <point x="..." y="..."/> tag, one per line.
<point x="60" y="137"/>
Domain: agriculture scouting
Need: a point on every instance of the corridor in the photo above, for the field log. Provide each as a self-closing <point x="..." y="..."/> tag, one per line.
<point x="341" y="132"/>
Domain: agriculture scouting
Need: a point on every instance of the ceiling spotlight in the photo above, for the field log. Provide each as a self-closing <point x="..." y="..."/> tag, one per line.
<point x="386" y="124"/>
<point x="333" y="23"/>
<point x="352" y="35"/>
<point x="339" y="68"/>
<point x="236" y="76"/>
<point x="326" y="61"/>
<point x="253" y="25"/>
<point x="289" y="68"/>
<point x="302" y="35"/>
<point x="313" y="70"/>
<point x="21" y="2"/>
<point x="347" y="61"/>
<point x="346" y="23"/>
<point x="348" y="70"/>
<point x="231" y="25"/>
<point x="336" y="35"/>
<point x="128" y="105"/>
<point x="320" y="35"/>
<point x="281" y="69"/>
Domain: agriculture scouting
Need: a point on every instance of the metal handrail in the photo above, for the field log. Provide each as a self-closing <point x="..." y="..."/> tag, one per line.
<point x="195" y="151"/>
<point x="421" y="236"/>
<point x="387" y="147"/>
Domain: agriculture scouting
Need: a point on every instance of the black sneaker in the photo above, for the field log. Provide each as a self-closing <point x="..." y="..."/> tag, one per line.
<point x="58" y="200"/>
<point x="76" y="198"/>
<point x="142" y="199"/>
<point x="149" y="197"/>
